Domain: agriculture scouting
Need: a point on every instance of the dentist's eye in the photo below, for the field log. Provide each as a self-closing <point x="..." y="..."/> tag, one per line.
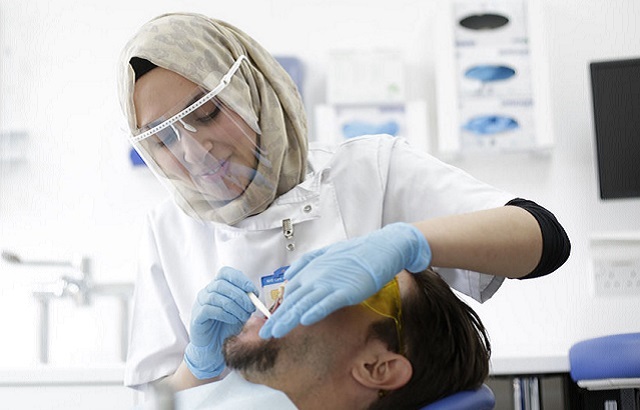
<point x="206" y="118"/>
<point x="163" y="139"/>
<point x="167" y="137"/>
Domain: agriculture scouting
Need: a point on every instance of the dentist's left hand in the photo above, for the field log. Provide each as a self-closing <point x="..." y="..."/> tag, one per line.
<point x="346" y="273"/>
<point x="220" y="311"/>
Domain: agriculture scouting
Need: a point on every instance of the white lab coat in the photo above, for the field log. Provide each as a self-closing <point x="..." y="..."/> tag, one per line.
<point x="352" y="189"/>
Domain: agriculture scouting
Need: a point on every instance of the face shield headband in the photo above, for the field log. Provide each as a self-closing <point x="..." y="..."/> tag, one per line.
<point x="206" y="154"/>
<point x="224" y="82"/>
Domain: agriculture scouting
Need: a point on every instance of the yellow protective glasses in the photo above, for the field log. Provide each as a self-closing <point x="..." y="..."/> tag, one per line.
<point x="387" y="303"/>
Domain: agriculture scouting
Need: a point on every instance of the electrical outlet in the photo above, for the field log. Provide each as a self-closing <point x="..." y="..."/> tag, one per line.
<point x="614" y="277"/>
<point x="615" y="260"/>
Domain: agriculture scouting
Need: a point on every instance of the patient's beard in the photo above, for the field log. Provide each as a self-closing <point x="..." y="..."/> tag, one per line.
<point x="246" y="357"/>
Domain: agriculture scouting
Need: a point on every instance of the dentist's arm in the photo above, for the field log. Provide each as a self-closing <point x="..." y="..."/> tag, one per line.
<point x="520" y="240"/>
<point x="505" y="241"/>
<point x="183" y="379"/>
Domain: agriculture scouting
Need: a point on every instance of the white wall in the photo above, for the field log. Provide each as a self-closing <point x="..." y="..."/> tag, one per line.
<point x="77" y="193"/>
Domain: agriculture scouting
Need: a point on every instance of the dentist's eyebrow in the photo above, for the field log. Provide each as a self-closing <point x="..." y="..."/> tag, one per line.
<point x="187" y="105"/>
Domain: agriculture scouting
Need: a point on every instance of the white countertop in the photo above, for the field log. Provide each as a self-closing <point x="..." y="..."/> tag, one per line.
<point x="532" y="365"/>
<point x="112" y="374"/>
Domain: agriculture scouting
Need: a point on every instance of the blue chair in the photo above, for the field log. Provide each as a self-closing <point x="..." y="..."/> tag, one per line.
<point x="608" y="368"/>
<point x="480" y="399"/>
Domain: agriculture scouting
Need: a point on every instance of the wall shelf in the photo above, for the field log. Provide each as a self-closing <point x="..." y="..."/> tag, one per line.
<point x="13" y="146"/>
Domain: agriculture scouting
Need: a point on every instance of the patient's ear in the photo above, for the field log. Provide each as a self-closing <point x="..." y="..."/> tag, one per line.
<point x="381" y="369"/>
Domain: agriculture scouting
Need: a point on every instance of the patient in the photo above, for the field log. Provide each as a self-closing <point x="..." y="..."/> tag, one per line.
<point x="399" y="350"/>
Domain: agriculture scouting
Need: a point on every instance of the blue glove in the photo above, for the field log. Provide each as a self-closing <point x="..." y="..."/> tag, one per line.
<point x="220" y="311"/>
<point x="346" y="273"/>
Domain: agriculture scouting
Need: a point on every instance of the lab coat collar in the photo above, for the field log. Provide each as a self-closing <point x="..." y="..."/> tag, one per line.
<point x="302" y="203"/>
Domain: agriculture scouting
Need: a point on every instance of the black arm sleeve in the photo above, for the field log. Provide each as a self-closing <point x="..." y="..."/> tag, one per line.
<point x="556" y="246"/>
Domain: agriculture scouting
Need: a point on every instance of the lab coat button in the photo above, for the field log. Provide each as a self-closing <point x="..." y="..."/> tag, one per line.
<point x="307" y="208"/>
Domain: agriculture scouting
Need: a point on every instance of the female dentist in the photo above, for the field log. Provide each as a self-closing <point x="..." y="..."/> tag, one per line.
<point x="223" y="127"/>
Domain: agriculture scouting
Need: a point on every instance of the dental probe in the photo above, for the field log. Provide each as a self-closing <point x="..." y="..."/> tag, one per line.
<point x="259" y="305"/>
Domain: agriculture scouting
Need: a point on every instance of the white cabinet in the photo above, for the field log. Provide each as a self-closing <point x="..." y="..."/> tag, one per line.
<point x="492" y="78"/>
<point x="67" y="397"/>
<point x="13" y="146"/>
<point x="55" y="388"/>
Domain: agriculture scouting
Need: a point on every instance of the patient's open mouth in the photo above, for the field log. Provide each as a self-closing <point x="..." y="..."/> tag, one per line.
<point x="277" y="303"/>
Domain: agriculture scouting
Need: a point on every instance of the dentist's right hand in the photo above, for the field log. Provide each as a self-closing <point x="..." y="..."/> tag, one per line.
<point x="220" y="311"/>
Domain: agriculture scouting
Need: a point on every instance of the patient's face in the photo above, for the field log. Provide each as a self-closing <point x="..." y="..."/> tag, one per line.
<point x="326" y="346"/>
<point x="317" y="348"/>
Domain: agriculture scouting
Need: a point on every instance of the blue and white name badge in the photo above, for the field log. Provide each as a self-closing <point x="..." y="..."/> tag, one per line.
<point x="273" y="286"/>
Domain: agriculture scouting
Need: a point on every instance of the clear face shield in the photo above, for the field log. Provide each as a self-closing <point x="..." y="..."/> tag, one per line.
<point x="202" y="149"/>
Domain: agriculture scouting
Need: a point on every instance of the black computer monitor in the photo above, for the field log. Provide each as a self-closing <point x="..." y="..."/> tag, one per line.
<point x="615" y="89"/>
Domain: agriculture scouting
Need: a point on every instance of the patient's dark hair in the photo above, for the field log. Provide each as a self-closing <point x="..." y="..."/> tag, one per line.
<point x="444" y="340"/>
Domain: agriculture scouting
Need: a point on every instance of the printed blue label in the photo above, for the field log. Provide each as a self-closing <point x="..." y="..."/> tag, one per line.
<point x="273" y="286"/>
<point x="276" y="277"/>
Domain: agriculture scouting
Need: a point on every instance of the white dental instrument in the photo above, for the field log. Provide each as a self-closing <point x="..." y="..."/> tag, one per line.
<point x="259" y="305"/>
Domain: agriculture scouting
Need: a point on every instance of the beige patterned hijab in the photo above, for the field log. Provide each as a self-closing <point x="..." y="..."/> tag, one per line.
<point x="195" y="46"/>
